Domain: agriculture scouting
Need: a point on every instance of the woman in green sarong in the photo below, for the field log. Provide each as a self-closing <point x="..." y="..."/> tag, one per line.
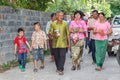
<point x="102" y="30"/>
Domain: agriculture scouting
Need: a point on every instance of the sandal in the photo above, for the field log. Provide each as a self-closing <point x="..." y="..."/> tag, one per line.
<point x="78" y="67"/>
<point x="98" y="69"/>
<point x="73" y="68"/>
<point x="102" y="68"/>
<point x="35" y="70"/>
<point x="61" y="73"/>
<point x="41" y="67"/>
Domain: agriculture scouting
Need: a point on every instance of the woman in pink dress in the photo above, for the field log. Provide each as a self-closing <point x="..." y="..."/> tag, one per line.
<point x="102" y="30"/>
<point x="77" y="32"/>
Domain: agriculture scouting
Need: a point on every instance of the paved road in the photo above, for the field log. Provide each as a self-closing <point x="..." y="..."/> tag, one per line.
<point x="87" y="72"/>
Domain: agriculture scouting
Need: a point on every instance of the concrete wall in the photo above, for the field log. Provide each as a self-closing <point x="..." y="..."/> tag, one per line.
<point x="10" y="21"/>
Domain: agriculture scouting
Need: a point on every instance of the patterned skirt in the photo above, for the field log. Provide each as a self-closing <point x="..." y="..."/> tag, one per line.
<point x="77" y="51"/>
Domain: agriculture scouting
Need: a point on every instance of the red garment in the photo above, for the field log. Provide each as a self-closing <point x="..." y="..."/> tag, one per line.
<point x="21" y="44"/>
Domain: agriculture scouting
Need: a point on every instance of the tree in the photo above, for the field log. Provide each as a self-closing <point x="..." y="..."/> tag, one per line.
<point x="27" y="4"/>
<point x="84" y="5"/>
<point x="115" y="7"/>
<point x="69" y="6"/>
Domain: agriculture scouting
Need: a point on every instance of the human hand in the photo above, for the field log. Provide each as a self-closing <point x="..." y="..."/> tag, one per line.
<point x="81" y="30"/>
<point x="30" y="49"/>
<point x="71" y="30"/>
<point x="15" y="53"/>
<point x="90" y="28"/>
<point x="46" y="47"/>
<point x="102" y="33"/>
<point x="68" y="46"/>
<point x="55" y="35"/>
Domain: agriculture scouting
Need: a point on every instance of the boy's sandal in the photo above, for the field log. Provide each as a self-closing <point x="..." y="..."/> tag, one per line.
<point x="35" y="70"/>
<point x="42" y="67"/>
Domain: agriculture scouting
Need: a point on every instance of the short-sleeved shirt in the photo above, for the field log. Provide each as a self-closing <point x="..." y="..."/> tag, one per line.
<point x="61" y="41"/>
<point x="91" y="23"/>
<point x="38" y="39"/>
<point x="48" y="26"/>
<point x="21" y="44"/>
<point x="82" y="25"/>
<point x="104" y="27"/>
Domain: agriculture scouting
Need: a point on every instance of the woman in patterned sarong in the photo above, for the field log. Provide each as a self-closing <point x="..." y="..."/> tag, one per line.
<point x="78" y="30"/>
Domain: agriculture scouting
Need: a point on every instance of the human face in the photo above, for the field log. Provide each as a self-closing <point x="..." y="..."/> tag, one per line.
<point x="60" y="16"/>
<point x="95" y="15"/>
<point x="21" y="33"/>
<point x="72" y="17"/>
<point x="77" y="16"/>
<point x="54" y="18"/>
<point x="37" y="27"/>
<point x="101" y="17"/>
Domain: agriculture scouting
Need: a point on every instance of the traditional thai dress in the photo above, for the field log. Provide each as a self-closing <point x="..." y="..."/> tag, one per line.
<point x="77" y="47"/>
<point x="101" y="42"/>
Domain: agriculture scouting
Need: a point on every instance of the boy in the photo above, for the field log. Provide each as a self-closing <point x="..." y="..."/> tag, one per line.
<point x="21" y="48"/>
<point x="38" y="42"/>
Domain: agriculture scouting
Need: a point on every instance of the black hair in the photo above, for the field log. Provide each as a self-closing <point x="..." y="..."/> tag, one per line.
<point x="37" y="23"/>
<point x="79" y="12"/>
<point x="20" y="29"/>
<point x="63" y="12"/>
<point x="102" y="14"/>
<point x="95" y="11"/>
<point x="53" y="14"/>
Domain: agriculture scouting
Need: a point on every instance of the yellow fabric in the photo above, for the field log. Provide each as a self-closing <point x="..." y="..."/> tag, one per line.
<point x="61" y="41"/>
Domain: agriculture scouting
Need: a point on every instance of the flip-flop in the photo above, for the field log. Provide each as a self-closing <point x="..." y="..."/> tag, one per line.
<point x="98" y="69"/>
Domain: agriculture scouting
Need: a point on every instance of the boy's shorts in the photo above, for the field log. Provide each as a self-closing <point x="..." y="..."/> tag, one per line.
<point x="38" y="54"/>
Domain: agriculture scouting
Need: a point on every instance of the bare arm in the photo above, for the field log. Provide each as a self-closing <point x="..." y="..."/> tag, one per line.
<point x="68" y="39"/>
<point x="109" y="31"/>
<point x="33" y="38"/>
<point x="28" y="45"/>
<point x="45" y="42"/>
<point x="15" y="49"/>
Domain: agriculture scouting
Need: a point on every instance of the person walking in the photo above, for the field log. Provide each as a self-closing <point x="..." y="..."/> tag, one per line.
<point x="21" y="50"/>
<point x="38" y="44"/>
<point x="59" y="32"/>
<point x="78" y="30"/>
<point x="53" y="18"/>
<point x="91" y="25"/>
<point x="101" y="30"/>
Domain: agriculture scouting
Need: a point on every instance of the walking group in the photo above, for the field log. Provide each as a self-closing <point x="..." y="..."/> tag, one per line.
<point x="64" y="36"/>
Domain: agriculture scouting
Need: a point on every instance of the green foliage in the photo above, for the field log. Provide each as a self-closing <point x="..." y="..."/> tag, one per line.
<point x="27" y="4"/>
<point x="8" y="65"/>
<point x="69" y="6"/>
<point x="104" y="7"/>
<point x="11" y="64"/>
<point x="47" y="52"/>
<point x="85" y="5"/>
<point x="115" y="7"/>
<point x="4" y="3"/>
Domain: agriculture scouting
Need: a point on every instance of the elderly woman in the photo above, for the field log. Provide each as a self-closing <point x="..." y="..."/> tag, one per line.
<point x="78" y="30"/>
<point x="102" y="30"/>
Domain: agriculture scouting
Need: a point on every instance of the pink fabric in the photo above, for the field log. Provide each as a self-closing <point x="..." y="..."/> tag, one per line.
<point x="91" y="23"/>
<point x="102" y="26"/>
<point x="81" y="24"/>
